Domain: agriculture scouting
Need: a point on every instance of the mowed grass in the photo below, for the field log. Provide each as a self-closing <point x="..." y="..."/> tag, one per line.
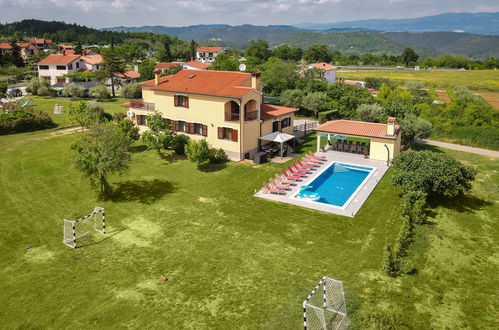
<point x="233" y="261"/>
<point x="473" y="79"/>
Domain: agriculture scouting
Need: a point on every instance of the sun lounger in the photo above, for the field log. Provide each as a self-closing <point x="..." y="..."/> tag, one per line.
<point x="291" y="176"/>
<point x="269" y="189"/>
<point x="278" y="185"/>
<point x="282" y="179"/>
<point x="300" y="169"/>
<point x="293" y="172"/>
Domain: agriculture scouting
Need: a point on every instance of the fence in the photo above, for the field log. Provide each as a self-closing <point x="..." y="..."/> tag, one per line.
<point x="303" y="128"/>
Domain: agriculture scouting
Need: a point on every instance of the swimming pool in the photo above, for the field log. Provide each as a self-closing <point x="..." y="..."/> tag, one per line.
<point x="338" y="184"/>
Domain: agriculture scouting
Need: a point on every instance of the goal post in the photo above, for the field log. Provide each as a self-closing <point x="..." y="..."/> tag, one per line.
<point x="75" y="229"/>
<point x="325" y="308"/>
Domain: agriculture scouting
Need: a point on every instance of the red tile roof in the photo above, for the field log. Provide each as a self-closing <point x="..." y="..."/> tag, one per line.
<point x="198" y="65"/>
<point x="73" y="52"/>
<point x="324" y="66"/>
<point x="209" y="49"/>
<point x="40" y="41"/>
<point x="269" y="111"/>
<point x="66" y="46"/>
<point x="23" y="44"/>
<point x="5" y="45"/>
<point x="217" y="83"/>
<point x="166" y="65"/>
<point x="59" y="59"/>
<point x="92" y="59"/>
<point x="129" y="74"/>
<point x="357" y="128"/>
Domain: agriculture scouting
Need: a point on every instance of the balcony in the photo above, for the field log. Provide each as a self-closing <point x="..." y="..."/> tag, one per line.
<point x="140" y="104"/>
<point x="252" y="115"/>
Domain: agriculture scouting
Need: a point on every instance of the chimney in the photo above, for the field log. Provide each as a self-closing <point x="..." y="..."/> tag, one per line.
<point x="255" y="80"/>
<point x="390" y="128"/>
<point x="156" y="76"/>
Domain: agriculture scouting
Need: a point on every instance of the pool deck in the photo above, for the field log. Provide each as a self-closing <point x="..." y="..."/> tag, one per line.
<point x="358" y="200"/>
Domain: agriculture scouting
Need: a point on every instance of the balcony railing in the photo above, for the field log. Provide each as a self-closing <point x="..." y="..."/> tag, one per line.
<point x="232" y="117"/>
<point x="251" y="115"/>
<point x="140" y="104"/>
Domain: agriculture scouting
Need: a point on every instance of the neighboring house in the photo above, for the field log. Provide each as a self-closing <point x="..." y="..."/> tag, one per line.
<point x="27" y="49"/>
<point x="55" y="66"/>
<point x="41" y="43"/>
<point x="208" y="54"/>
<point x="354" y="82"/>
<point x="329" y="70"/>
<point x="73" y="52"/>
<point x="128" y="77"/>
<point x="64" y="48"/>
<point x="163" y="66"/>
<point x="225" y="108"/>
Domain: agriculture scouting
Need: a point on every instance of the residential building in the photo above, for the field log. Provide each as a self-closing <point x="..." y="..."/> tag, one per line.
<point x="225" y="108"/>
<point x="329" y="70"/>
<point x="192" y="65"/>
<point x="208" y="54"/>
<point x="128" y="77"/>
<point x="26" y="49"/>
<point x="55" y="66"/>
<point x="41" y="43"/>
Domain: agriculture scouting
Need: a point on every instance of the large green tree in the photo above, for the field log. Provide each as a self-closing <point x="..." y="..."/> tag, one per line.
<point x="112" y="64"/>
<point x="100" y="151"/>
<point x="317" y="53"/>
<point x="279" y="75"/>
<point x="409" y="56"/>
<point x="413" y="128"/>
<point x="259" y="49"/>
<point x="224" y="63"/>
<point x="146" y="69"/>
<point x="159" y="134"/>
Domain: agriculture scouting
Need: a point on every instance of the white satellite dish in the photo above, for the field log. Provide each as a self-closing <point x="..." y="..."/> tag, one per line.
<point x="242" y="67"/>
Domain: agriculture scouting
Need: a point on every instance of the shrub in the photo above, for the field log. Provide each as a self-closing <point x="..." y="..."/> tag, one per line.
<point x="198" y="152"/>
<point x="3" y="89"/>
<point x="99" y="92"/>
<point x="179" y="143"/>
<point x="128" y="128"/>
<point x="414" y="128"/>
<point x="43" y="91"/>
<point x="132" y="91"/>
<point x="391" y="262"/>
<point x="85" y="113"/>
<point x="24" y="121"/>
<point x="414" y="203"/>
<point x="376" y="83"/>
<point x="218" y="156"/>
<point x="35" y="84"/>
<point x="326" y="115"/>
<point x="159" y="135"/>
<point x="73" y="90"/>
<point x="370" y="112"/>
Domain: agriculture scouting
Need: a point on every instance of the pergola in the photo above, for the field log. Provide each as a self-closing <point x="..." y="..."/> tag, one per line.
<point x="279" y="137"/>
<point x="385" y="139"/>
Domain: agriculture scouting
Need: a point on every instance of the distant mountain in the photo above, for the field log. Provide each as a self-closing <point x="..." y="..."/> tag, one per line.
<point x="478" y="23"/>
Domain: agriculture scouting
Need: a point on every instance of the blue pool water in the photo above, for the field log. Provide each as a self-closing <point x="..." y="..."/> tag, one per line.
<point x="337" y="183"/>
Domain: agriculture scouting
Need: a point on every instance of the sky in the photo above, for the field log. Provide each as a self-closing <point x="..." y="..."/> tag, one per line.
<point x="108" y="13"/>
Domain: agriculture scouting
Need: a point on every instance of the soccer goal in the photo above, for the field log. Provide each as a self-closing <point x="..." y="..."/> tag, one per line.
<point x="76" y="229"/>
<point x="325" y="308"/>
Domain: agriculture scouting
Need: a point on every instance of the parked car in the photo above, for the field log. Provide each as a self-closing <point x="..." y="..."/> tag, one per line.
<point x="14" y="92"/>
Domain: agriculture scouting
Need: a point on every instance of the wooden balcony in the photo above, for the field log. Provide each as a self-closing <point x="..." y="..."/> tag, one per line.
<point x="140" y="104"/>
<point x="252" y="115"/>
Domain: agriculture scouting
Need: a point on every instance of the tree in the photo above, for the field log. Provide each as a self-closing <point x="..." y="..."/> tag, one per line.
<point x="146" y="69"/>
<point x="413" y="128"/>
<point x="259" y="49"/>
<point x="159" y="134"/>
<point x="14" y="56"/>
<point x="132" y="91"/>
<point x="316" y="102"/>
<point x="193" y="50"/>
<point x="279" y="75"/>
<point x="317" y="53"/>
<point x="35" y="84"/>
<point x="224" y="63"/>
<point x="436" y="174"/>
<point x="171" y="70"/>
<point x="198" y="152"/>
<point x="111" y="65"/>
<point x="100" y="151"/>
<point x="409" y="55"/>
<point x="128" y="128"/>
<point x="99" y="92"/>
<point x="164" y="54"/>
<point x="292" y="98"/>
<point x="78" y="48"/>
<point x="370" y="112"/>
<point x="73" y="90"/>
<point x="85" y="113"/>
<point x="179" y="143"/>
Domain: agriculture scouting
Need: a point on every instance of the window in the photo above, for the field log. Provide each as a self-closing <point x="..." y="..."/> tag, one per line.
<point x="77" y="65"/>
<point x="61" y="67"/>
<point x="286" y="122"/>
<point x="70" y="67"/>
<point x="181" y="101"/>
<point x="275" y="126"/>
<point x="141" y="119"/>
<point x="197" y="128"/>
<point x="44" y="67"/>
<point x="227" y="133"/>
<point x="182" y="126"/>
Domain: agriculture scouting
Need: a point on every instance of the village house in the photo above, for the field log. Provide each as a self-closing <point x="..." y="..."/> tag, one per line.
<point x="41" y="43"/>
<point x="55" y="66"/>
<point x="26" y="49"/>
<point x="208" y="54"/>
<point x="225" y="108"/>
<point x="329" y="71"/>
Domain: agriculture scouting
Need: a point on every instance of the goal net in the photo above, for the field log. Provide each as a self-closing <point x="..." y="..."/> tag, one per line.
<point x="325" y="307"/>
<point x="76" y="229"/>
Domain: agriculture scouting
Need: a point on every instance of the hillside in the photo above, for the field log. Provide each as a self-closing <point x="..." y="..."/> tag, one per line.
<point x="478" y="23"/>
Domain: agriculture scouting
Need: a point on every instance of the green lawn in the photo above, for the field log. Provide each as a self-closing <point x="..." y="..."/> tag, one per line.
<point x="234" y="261"/>
<point x="474" y="79"/>
<point x="46" y="103"/>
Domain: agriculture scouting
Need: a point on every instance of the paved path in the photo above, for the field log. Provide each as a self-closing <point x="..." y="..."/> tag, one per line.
<point x="458" y="147"/>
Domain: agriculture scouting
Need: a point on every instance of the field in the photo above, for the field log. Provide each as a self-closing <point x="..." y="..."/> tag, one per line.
<point x="487" y="80"/>
<point x="233" y="261"/>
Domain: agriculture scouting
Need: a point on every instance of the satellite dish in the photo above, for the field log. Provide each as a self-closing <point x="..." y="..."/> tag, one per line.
<point x="242" y="67"/>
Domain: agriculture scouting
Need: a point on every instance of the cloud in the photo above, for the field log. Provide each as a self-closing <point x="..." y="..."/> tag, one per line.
<point x="105" y="13"/>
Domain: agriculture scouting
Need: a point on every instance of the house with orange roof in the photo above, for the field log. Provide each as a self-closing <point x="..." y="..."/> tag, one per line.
<point x="225" y="108"/>
<point x="26" y="49"/>
<point x="41" y="43"/>
<point x="329" y="70"/>
<point x="191" y="65"/>
<point x="208" y="54"/>
<point x="55" y="67"/>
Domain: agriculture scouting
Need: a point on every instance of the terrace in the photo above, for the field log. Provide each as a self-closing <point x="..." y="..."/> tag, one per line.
<point x="139" y="104"/>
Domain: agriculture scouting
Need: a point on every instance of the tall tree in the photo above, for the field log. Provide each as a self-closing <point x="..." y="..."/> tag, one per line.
<point x="100" y="151"/>
<point x="224" y="63"/>
<point x="14" y="56"/>
<point x="409" y="55"/>
<point x="193" y="50"/>
<point x="112" y="64"/>
<point x="259" y="49"/>
<point x="146" y="69"/>
<point x="317" y="53"/>
<point x="78" y="48"/>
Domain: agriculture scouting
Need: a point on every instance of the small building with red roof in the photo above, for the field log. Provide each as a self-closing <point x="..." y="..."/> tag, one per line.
<point x="41" y="43"/>
<point x="208" y="54"/>
<point x="224" y="107"/>
<point x="26" y="49"/>
<point x="329" y="70"/>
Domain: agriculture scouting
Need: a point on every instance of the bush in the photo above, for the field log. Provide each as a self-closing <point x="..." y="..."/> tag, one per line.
<point x="198" y="152"/>
<point x="414" y="128"/>
<point x="376" y="83"/>
<point x="24" y="121"/>
<point x="132" y="91"/>
<point x="487" y="137"/>
<point x="128" y="128"/>
<point x="179" y="143"/>
<point x="370" y="112"/>
<point x="99" y="92"/>
<point x="35" y="84"/>
<point x="85" y="113"/>
<point x="414" y="204"/>
<point x="326" y="115"/>
<point x="3" y="89"/>
<point x="73" y="90"/>
<point x="43" y="91"/>
<point x="218" y="156"/>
